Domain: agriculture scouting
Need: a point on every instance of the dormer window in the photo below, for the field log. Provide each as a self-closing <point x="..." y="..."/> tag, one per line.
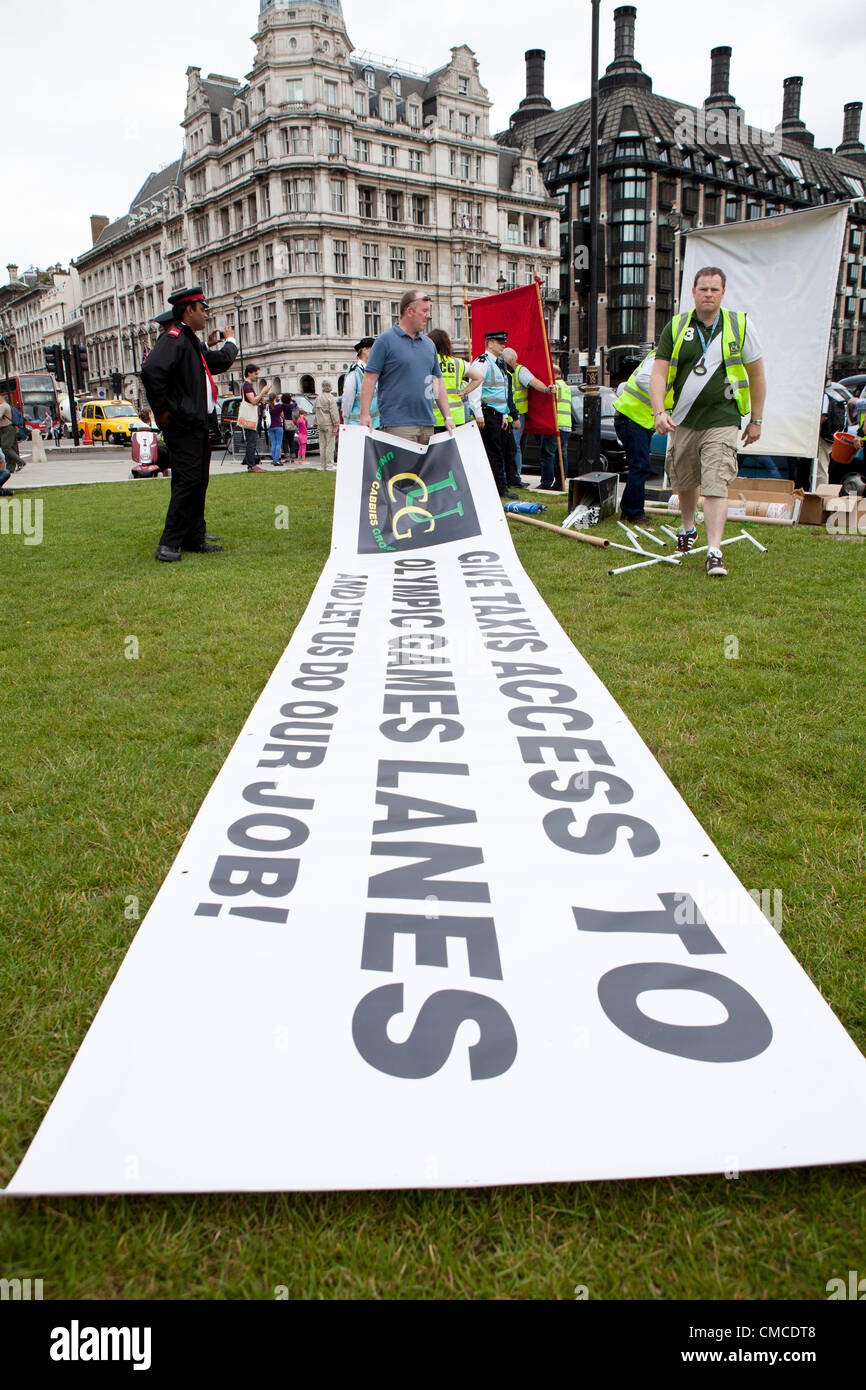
<point x="396" y="84"/>
<point x="370" y="78"/>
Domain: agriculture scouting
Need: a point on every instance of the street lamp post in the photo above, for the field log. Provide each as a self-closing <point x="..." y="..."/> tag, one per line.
<point x="680" y="225"/>
<point x="592" y="398"/>
<point x="238" y="302"/>
<point x="501" y="282"/>
<point x="132" y="345"/>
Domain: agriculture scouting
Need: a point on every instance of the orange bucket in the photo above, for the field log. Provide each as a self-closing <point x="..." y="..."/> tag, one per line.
<point x="844" y="447"/>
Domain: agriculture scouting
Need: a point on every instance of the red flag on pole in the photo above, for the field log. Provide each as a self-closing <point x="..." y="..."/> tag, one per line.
<point x="519" y="313"/>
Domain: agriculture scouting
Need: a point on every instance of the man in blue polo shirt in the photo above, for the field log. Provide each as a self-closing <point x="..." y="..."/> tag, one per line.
<point x="404" y="366"/>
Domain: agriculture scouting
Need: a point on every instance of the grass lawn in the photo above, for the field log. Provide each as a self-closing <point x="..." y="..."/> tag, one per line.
<point x="765" y="746"/>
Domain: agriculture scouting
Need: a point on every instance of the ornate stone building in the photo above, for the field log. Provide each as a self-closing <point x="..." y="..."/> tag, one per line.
<point x="37" y="308"/>
<point x="664" y="166"/>
<point x="311" y="196"/>
<point x="124" y="277"/>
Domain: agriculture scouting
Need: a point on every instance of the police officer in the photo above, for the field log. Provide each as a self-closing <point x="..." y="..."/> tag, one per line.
<point x="495" y="407"/>
<point x="178" y="378"/>
<point x="350" y="402"/>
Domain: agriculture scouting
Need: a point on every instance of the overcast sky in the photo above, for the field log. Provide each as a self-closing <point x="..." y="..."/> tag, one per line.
<point x="94" y="91"/>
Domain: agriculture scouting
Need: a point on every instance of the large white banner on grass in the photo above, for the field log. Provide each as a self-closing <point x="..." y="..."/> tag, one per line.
<point x="783" y="271"/>
<point x="442" y="919"/>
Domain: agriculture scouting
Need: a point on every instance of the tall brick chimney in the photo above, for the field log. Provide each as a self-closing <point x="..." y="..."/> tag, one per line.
<point x="98" y="224"/>
<point x="720" y="78"/>
<point x="535" y="103"/>
<point x="852" y="146"/>
<point x="791" y="126"/>
<point x="624" y="71"/>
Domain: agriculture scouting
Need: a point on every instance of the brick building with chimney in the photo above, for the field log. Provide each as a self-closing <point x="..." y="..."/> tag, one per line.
<point x="666" y="166"/>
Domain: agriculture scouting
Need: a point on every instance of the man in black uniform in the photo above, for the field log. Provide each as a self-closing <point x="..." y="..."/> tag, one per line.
<point x="177" y="376"/>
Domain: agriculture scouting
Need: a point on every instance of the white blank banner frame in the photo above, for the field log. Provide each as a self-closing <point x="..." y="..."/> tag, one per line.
<point x="783" y="272"/>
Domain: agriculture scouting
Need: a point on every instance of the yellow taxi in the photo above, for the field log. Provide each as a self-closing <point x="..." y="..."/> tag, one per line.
<point x="110" y="421"/>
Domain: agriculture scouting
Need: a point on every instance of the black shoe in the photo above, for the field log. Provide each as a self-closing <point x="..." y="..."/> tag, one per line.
<point x="212" y="539"/>
<point x="165" y="552"/>
<point x="509" y="496"/>
<point x="7" y="492"/>
<point x="204" y="549"/>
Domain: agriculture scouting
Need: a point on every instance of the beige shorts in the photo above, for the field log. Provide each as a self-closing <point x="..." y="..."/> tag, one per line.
<point x="705" y="459"/>
<point x="418" y="434"/>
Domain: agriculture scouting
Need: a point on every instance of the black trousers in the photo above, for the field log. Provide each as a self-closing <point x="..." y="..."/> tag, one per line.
<point x="189" y="456"/>
<point x="494" y="436"/>
<point x="509" y="458"/>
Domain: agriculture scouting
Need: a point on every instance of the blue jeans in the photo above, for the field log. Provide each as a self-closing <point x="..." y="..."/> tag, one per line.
<point x="517" y="435"/>
<point x="276" y="434"/>
<point x="635" y="439"/>
<point x="549" y="460"/>
<point x="5" y="475"/>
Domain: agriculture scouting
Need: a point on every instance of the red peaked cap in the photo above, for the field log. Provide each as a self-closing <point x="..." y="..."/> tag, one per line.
<point x="188" y="296"/>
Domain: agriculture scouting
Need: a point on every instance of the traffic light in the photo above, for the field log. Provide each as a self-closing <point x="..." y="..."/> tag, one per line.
<point x="79" y="362"/>
<point x="54" y="361"/>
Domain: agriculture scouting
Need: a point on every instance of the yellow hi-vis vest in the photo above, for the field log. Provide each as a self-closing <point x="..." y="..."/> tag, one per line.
<point x="563" y="405"/>
<point x="634" y="402"/>
<point x="733" y="337"/>
<point x="519" y="393"/>
<point x="453" y="374"/>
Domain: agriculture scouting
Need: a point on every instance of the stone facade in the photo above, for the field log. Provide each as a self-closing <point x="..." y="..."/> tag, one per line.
<point x="124" y="277"/>
<point x="38" y="308"/>
<point x="310" y="197"/>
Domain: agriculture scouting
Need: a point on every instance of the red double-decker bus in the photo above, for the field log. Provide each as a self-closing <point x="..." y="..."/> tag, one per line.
<point x="33" y="393"/>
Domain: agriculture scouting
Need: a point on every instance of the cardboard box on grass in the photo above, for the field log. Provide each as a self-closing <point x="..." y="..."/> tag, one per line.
<point x="814" y="508"/>
<point x="770" y="497"/>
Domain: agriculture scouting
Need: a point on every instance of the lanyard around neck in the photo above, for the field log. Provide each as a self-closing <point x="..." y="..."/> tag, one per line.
<point x="705" y="342"/>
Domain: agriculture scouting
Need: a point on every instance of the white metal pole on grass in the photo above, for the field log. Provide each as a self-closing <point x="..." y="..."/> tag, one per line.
<point x="649" y="536"/>
<point x="729" y="540"/>
<point x="642" y="564"/>
<point x="747" y="537"/>
<point x="636" y="550"/>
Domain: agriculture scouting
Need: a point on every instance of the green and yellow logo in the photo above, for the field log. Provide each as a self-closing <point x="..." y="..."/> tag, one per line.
<point x="412" y="500"/>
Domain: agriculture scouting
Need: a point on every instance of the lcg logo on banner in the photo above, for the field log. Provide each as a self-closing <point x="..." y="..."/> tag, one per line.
<point x="411" y="500"/>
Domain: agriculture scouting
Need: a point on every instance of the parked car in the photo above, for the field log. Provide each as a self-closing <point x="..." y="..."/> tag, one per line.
<point x="229" y="415"/>
<point x="612" y="457"/>
<point x="855" y="384"/>
<point x="111" y="421"/>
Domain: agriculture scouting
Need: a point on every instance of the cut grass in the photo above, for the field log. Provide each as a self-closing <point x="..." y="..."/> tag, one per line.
<point x="106" y="760"/>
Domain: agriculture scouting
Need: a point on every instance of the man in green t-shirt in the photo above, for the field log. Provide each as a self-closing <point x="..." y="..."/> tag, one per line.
<point x="719" y="379"/>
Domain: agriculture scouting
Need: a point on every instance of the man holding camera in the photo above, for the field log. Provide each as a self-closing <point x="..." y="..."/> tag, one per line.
<point x="178" y="378"/>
